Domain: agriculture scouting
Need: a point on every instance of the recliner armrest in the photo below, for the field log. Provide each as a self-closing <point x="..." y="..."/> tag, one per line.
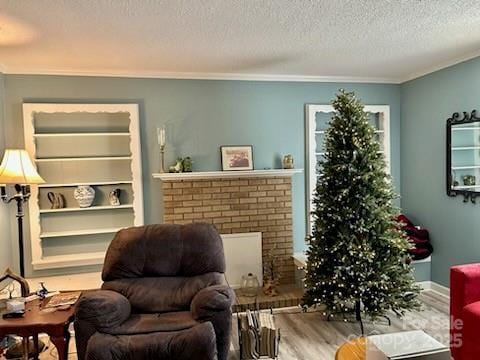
<point x="103" y="309"/>
<point x="212" y="300"/>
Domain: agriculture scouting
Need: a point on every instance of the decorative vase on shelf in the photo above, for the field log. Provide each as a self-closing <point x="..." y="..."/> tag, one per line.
<point x="250" y="285"/>
<point x="114" y="197"/>
<point x="84" y="194"/>
<point x="57" y="200"/>
<point x="469" y="180"/>
<point x="287" y="162"/>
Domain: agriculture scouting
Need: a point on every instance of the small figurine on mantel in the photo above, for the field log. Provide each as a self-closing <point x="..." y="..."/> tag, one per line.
<point x="182" y="165"/>
<point x="178" y="167"/>
<point x="187" y="164"/>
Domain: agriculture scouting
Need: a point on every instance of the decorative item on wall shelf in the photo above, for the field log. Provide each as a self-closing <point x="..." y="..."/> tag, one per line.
<point x="288" y="162"/>
<point x="162" y="136"/>
<point x="57" y="200"/>
<point x="84" y="194"/>
<point x="469" y="180"/>
<point x="235" y="158"/>
<point x="454" y="177"/>
<point x="114" y="197"/>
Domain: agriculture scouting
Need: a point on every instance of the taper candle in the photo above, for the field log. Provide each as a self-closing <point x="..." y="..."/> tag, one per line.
<point x="161" y="136"/>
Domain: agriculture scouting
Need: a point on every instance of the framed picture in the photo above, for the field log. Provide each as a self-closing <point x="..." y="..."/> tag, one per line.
<point x="238" y="157"/>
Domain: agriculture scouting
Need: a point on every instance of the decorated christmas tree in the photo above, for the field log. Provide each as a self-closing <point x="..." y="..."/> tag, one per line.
<point x="356" y="259"/>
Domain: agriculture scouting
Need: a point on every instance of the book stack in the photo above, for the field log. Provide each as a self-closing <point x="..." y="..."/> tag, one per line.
<point x="258" y="335"/>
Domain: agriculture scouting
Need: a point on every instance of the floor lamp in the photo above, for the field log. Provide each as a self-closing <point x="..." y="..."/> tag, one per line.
<point x="17" y="169"/>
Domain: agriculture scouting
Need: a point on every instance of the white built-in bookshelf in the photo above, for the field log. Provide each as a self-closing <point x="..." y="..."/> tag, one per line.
<point x="82" y="144"/>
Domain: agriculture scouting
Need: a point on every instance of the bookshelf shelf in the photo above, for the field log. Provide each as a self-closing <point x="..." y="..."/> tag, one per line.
<point x="94" y="183"/>
<point x="52" y="234"/>
<point x="86" y="134"/>
<point x="100" y="158"/>
<point x="91" y="208"/>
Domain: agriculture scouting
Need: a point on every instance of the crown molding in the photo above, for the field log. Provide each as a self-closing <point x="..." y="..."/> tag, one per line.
<point x="204" y="76"/>
<point x="240" y="77"/>
<point x="441" y="66"/>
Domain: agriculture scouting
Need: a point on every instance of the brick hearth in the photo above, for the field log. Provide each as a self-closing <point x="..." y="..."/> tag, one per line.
<point x="238" y="206"/>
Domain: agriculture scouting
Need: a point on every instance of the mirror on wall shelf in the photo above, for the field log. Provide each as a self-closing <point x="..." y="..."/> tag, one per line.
<point x="463" y="156"/>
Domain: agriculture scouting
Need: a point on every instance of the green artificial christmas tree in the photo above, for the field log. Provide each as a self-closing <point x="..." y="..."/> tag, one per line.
<point x="356" y="259"/>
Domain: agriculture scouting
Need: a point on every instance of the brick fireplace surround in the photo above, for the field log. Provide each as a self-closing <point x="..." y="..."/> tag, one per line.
<point x="238" y="205"/>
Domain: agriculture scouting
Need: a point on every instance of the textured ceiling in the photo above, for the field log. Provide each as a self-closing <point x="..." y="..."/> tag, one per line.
<point x="383" y="40"/>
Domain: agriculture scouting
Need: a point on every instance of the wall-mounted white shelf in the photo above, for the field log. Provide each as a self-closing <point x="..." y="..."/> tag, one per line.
<point x="460" y="187"/>
<point x="91" y="208"/>
<point x="466" y="167"/>
<point x="300" y="260"/>
<point x="82" y="144"/>
<point x="322" y="153"/>
<point x="96" y="183"/>
<point x="225" y="174"/>
<point x="323" y="131"/>
<point x="100" y="158"/>
<point x="70" y="260"/>
<point x="461" y="148"/>
<point x="52" y="234"/>
<point x="465" y="128"/>
<point x="49" y="135"/>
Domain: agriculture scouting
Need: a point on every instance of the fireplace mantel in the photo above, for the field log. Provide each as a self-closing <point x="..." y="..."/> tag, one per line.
<point x="205" y="175"/>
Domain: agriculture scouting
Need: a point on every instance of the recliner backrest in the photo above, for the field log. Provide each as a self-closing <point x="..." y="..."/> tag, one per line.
<point x="164" y="250"/>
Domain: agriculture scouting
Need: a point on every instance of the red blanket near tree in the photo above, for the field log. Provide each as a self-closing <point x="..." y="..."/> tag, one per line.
<point x="418" y="237"/>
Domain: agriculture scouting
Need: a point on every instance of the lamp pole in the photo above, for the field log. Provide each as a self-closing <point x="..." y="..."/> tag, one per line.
<point x="22" y="195"/>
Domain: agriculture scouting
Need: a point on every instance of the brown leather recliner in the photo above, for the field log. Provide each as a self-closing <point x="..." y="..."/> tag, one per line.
<point x="164" y="297"/>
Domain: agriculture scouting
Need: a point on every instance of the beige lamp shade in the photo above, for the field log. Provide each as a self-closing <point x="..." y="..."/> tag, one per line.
<point x="17" y="168"/>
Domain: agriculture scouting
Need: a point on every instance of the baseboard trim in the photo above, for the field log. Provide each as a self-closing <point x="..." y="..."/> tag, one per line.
<point x="435" y="287"/>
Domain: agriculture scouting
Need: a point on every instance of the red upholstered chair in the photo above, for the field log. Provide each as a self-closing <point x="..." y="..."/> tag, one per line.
<point x="465" y="311"/>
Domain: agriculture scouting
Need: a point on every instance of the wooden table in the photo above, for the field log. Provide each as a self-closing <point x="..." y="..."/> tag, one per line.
<point x="54" y="324"/>
<point x="352" y="350"/>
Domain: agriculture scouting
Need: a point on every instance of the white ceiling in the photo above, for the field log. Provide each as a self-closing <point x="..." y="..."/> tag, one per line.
<point x="372" y="40"/>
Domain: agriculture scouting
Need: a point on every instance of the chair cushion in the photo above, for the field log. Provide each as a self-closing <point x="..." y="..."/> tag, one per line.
<point x="470" y="346"/>
<point x="149" y="323"/>
<point x="162" y="294"/>
<point x="197" y="343"/>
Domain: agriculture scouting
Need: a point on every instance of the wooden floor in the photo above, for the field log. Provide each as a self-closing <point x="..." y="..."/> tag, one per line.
<point x="307" y="336"/>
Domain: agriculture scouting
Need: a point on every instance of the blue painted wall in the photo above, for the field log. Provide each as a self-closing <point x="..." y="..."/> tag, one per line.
<point x="201" y="115"/>
<point x="427" y="102"/>
<point x="5" y="241"/>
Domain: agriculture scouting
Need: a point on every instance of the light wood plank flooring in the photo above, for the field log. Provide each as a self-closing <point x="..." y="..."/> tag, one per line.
<point x="307" y="336"/>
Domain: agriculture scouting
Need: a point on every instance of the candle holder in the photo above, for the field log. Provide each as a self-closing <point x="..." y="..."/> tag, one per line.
<point x="162" y="159"/>
<point x="161" y="135"/>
